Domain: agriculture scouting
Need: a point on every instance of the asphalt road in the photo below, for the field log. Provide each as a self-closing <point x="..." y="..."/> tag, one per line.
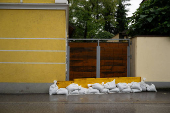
<point x="145" y="102"/>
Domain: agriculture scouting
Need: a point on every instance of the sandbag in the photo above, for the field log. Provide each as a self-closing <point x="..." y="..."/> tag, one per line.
<point x="151" y="87"/>
<point x="105" y="91"/>
<point x="136" y="90"/>
<point x="143" y="84"/>
<point x="75" y="92"/>
<point x="83" y="91"/>
<point x="89" y="85"/>
<point x="122" y="86"/>
<point x="92" y="91"/>
<point x="73" y="87"/>
<point x="127" y="90"/>
<point x="62" y="91"/>
<point x="110" y="85"/>
<point x="98" y="86"/>
<point x="115" y="90"/>
<point x="136" y="85"/>
<point x="53" y="88"/>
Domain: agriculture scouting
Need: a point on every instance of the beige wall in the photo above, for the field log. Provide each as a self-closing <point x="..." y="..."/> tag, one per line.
<point x="151" y="58"/>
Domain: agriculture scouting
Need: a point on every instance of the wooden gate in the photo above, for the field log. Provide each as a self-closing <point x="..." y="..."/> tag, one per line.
<point x="113" y="60"/>
<point x="83" y="59"/>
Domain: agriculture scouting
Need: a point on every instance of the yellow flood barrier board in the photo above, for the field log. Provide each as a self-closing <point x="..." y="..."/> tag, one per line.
<point x="63" y="84"/>
<point x="84" y="81"/>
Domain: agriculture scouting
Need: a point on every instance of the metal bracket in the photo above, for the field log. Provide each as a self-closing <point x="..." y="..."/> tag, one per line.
<point x="130" y="42"/>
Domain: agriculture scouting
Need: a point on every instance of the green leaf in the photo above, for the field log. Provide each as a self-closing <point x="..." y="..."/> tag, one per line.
<point x="168" y="25"/>
<point x="150" y="19"/>
<point x="143" y="16"/>
<point x="163" y="12"/>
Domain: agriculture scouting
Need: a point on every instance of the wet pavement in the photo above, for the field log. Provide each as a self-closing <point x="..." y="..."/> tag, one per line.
<point x="145" y="102"/>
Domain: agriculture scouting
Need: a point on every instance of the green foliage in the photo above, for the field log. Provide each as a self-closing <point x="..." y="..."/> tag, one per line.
<point x="151" y="18"/>
<point x="104" y="35"/>
<point x="121" y="19"/>
<point x="91" y="16"/>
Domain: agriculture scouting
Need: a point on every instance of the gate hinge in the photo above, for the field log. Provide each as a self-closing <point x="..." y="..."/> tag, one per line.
<point x="130" y="42"/>
<point x="130" y="56"/>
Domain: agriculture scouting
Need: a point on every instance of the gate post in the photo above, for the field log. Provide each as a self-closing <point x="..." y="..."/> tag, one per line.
<point x="68" y="63"/>
<point x="98" y="62"/>
<point x="128" y="61"/>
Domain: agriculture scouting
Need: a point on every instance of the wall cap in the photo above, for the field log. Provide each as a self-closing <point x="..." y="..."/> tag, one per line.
<point x="149" y="36"/>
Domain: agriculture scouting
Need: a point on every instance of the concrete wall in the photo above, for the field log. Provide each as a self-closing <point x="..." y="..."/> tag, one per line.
<point x="150" y="59"/>
<point x="32" y="49"/>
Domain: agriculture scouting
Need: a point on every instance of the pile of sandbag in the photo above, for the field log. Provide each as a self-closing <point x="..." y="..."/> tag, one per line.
<point x="97" y="88"/>
<point x="135" y="87"/>
<point x="53" y="88"/>
<point x="111" y="86"/>
<point x="147" y="87"/>
<point x="124" y="88"/>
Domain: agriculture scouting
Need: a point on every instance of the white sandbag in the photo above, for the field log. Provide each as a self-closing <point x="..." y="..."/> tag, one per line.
<point x="83" y="91"/>
<point x="151" y="87"/>
<point x="136" y="90"/>
<point x="53" y="91"/>
<point x="110" y="85"/>
<point x="136" y="85"/>
<point x="73" y="87"/>
<point x="115" y="90"/>
<point x="105" y="91"/>
<point x="122" y="86"/>
<point x="53" y="88"/>
<point x="127" y="90"/>
<point x="75" y="92"/>
<point x="143" y="84"/>
<point x="92" y="91"/>
<point x="97" y="86"/>
<point x="130" y="84"/>
<point x="62" y="91"/>
<point x="89" y="85"/>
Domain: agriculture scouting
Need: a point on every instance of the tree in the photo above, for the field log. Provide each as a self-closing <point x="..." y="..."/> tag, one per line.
<point x="82" y="15"/>
<point x="104" y="35"/>
<point x="120" y="15"/>
<point x="91" y="16"/>
<point x="151" y="18"/>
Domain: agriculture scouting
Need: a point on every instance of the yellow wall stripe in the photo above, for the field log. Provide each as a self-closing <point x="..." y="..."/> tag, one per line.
<point x="38" y="1"/>
<point x="31" y="44"/>
<point x="32" y="23"/>
<point x="9" y="1"/>
<point x="32" y="73"/>
<point x="17" y="56"/>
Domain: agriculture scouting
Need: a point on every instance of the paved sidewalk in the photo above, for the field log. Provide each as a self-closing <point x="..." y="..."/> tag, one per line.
<point x="145" y="102"/>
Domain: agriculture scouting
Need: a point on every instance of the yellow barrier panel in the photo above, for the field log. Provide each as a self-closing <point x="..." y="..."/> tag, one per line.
<point x="63" y="84"/>
<point x="84" y="81"/>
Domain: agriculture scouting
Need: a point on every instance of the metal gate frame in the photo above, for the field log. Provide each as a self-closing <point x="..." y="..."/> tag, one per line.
<point x="98" y="56"/>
